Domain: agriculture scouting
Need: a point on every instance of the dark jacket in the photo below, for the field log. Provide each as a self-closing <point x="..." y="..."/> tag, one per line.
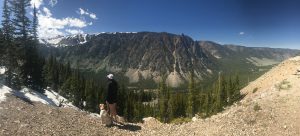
<point x="112" y="91"/>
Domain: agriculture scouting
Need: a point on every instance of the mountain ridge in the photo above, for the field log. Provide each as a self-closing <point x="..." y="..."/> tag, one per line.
<point x="153" y="56"/>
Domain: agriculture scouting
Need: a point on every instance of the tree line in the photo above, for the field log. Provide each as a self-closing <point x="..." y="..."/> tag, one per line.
<point x="196" y="100"/>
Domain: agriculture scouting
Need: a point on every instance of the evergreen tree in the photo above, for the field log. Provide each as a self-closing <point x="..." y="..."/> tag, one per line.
<point x="236" y="95"/>
<point x="2" y="48"/>
<point x="217" y="100"/>
<point x="129" y="106"/>
<point x="51" y="74"/>
<point x="7" y="27"/>
<point x="91" y="101"/>
<point x="171" y="107"/>
<point x="31" y="62"/>
<point x="191" y="105"/>
<point x="164" y="96"/>
<point x="9" y="48"/>
<point x="35" y="24"/>
<point x="122" y="95"/>
<point x="20" y="21"/>
<point x="231" y="90"/>
<point x="223" y="91"/>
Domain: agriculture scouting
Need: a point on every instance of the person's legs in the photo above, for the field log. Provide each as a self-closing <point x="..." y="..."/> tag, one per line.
<point x="113" y="111"/>
<point x="108" y="108"/>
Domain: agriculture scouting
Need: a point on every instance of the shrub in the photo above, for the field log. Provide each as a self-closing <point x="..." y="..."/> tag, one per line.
<point x="181" y="120"/>
<point x="283" y="85"/>
<point x="256" y="107"/>
<point x="254" y="90"/>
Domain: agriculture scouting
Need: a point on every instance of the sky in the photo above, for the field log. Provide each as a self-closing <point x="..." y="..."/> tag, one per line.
<point x="252" y="23"/>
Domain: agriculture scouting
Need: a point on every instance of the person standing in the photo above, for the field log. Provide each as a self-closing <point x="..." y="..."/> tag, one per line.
<point x="111" y="98"/>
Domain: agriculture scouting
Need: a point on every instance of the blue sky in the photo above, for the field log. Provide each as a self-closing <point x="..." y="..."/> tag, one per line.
<point x="263" y="23"/>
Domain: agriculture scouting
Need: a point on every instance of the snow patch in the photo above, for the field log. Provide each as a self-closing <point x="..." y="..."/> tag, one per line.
<point x="3" y="91"/>
<point x="55" y="41"/>
<point x="2" y="70"/>
<point x="50" y="97"/>
<point x="57" y="99"/>
<point x="115" y="33"/>
<point x="34" y="96"/>
<point x="84" y="39"/>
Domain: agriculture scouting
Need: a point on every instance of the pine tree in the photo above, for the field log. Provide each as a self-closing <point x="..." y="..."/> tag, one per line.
<point x="206" y="104"/>
<point x="31" y="62"/>
<point x="190" y="111"/>
<point x="78" y="90"/>
<point x="217" y="100"/>
<point x="231" y="90"/>
<point x="2" y="48"/>
<point x="163" y="101"/>
<point x="224" y="91"/>
<point x="20" y="21"/>
<point x="48" y="71"/>
<point x="7" y="27"/>
<point x="9" y="48"/>
<point x="122" y="95"/>
<point x="35" y="24"/>
<point x="91" y="101"/>
<point x="236" y="95"/>
<point x="171" y="107"/>
<point x="129" y="106"/>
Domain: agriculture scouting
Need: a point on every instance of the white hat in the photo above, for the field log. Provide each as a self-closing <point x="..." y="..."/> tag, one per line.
<point x="110" y="76"/>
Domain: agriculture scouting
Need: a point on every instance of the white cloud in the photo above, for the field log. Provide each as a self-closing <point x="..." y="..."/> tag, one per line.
<point x="50" y="26"/>
<point x="81" y="11"/>
<point x="74" y="31"/>
<point x="75" y="22"/>
<point x="37" y="3"/>
<point x="93" y="16"/>
<point x="47" y="12"/>
<point x="241" y="33"/>
<point x="85" y="12"/>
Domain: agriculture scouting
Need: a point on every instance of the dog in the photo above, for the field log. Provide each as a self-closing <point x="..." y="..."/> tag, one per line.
<point x="105" y="118"/>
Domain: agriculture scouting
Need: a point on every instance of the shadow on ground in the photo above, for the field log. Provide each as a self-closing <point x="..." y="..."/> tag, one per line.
<point x="22" y="97"/>
<point x="129" y="127"/>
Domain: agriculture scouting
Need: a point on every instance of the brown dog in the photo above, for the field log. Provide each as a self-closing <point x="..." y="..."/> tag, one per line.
<point x="105" y="118"/>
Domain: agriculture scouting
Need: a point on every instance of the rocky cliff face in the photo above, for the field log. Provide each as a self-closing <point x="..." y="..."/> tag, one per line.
<point x="149" y="55"/>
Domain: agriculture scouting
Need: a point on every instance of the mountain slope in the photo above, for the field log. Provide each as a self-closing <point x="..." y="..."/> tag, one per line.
<point x="150" y="56"/>
<point x="21" y="118"/>
<point x="272" y="109"/>
<point x="31" y="113"/>
<point x="140" y="56"/>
